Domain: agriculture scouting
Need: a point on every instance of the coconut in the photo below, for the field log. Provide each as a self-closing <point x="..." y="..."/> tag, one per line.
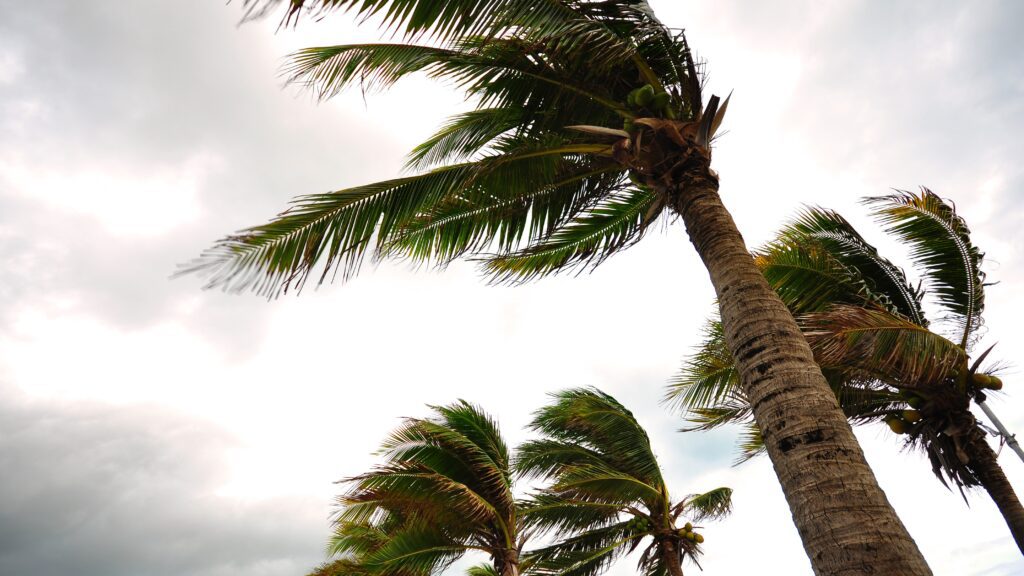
<point x="691" y="536"/>
<point x="911" y="416"/>
<point x="897" y="425"/>
<point x="688" y="527"/>
<point x="660" y="100"/>
<point x="645" y="95"/>
<point x="995" y="383"/>
<point x="698" y="538"/>
<point x="915" y="401"/>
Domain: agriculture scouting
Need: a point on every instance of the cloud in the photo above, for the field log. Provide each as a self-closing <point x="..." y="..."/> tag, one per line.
<point x="93" y="489"/>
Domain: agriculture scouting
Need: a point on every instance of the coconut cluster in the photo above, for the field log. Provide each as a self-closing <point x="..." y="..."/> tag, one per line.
<point x="648" y="101"/>
<point x="687" y="532"/>
<point x="639" y="523"/>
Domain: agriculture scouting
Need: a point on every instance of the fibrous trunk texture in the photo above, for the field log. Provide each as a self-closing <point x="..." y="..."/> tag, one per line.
<point x="982" y="461"/>
<point x="844" y="519"/>
<point x="670" y="556"/>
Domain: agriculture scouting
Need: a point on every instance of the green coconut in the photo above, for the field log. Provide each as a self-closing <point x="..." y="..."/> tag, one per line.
<point x="688" y="527"/>
<point x="660" y="100"/>
<point x="645" y="95"/>
<point x="911" y="416"/>
<point x="691" y="536"/>
<point x="995" y="383"/>
<point x="698" y="538"/>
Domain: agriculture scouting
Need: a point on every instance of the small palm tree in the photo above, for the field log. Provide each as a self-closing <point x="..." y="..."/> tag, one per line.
<point x="445" y="489"/>
<point x="590" y="124"/>
<point x="607" y="495"/>
<point x="867" y="326"/>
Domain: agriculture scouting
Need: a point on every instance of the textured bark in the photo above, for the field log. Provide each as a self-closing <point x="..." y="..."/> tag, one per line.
<point x="670" y="556"/>
<point x="844" y="519"/>
<point x="982" y="461"/>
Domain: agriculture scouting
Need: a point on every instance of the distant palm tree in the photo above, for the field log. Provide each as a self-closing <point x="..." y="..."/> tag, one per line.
<point x="608" y="496"/>
<point x="867" y="326"/>
<point x="590" y="123"/>
<point x="445" y="489"/>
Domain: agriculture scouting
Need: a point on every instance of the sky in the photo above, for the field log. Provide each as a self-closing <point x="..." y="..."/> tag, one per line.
<point x="149" y="427"/>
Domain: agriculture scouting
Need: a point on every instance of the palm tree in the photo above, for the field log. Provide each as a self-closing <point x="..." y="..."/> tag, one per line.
<point x="608" y="496"/>
<point x="867" y="326"/>
<point x="540" y="178"/>
<point x="445" y="489"/>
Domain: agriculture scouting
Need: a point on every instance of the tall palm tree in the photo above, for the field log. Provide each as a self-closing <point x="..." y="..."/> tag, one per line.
<point x="445" y="489"/>
<point x="608" y="496"/>
<point x="867" y="326"/>
<point x="590" y="123"/>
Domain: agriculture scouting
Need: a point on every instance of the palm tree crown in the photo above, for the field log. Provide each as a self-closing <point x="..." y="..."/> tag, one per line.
<point x="445" y="489"/>
<point x="529" y="181"/>
<point x="607" y="495"/>
<point x="867" y="326"/>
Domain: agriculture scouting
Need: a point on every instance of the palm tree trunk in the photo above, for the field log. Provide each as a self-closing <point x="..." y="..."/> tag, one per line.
<point x="670" y="556"/>
<point x="985" y="467"/>
<point x="844" y="519"/>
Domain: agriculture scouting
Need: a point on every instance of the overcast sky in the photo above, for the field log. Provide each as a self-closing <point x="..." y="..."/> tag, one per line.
<point x="148" y="427"/>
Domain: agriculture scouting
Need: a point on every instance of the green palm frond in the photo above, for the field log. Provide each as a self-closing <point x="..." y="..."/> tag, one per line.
<point x="881" y="281"/>
<point x="593" y="419"/>
<point x="707" y="376"/>
<point x="940" y="245"/>
<point x="879" y="344"/>
<point x="809" y="278"/>
<point x="614" y="224"/>
<point x="466" y="134"/>
<point x="440" y="20"/>
<point x="711" y="505"/>
<point x="416" y="549"/>
<point x="444" y="488"/>
<point x="463" y="225"/>
<point x="586" y="554"/>
<point x="751" y="443"/>
<point x="532" y="68"/>
<point x="335" y="229"/>
<point x="553" y="513"/>
<point x="730" y="409"/>
<point x="481" y="570"/>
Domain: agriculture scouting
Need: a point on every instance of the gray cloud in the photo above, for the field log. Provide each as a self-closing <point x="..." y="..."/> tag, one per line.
<point x="99" y="490"/>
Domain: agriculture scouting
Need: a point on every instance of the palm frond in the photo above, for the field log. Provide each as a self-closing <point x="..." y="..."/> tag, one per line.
<point x="711" y="505"/>
<point x="335" y="229"/>
<point x="586" y="554"/>
<point x="417" y="549"/>
<point x="708" y="375"/>
<point x="611" y="226"/>
<point x="481" y="570"/>
<point x="549" y="512"/>
<point x="941" y="247"/>
<point x="593" y="419"/>
<point x="881" y="281"/>
<point x="880" y="344"/>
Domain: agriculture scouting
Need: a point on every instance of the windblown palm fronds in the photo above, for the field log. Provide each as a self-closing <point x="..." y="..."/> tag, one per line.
<point x="607" y="496"/>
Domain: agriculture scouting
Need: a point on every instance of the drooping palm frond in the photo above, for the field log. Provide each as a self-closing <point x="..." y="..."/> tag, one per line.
<point x="876" y="343"/>
<point x="940" y="245"/>
<point x="711" y="505"/>
<point x="880" y="281"/>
